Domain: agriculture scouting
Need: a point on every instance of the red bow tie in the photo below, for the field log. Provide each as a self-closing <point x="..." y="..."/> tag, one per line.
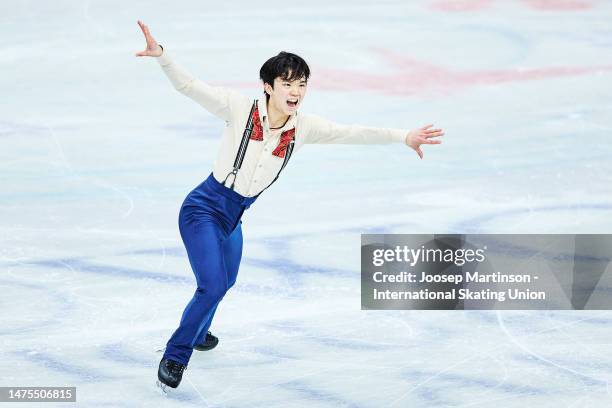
<point x="286" y="137"/>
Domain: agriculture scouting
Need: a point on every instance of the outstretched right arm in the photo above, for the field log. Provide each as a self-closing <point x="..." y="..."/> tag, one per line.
<point x="216" y="100"/>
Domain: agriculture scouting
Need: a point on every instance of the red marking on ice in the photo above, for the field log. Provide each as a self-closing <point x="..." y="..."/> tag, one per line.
<point x="460" y="5"/>
<point x="414" y="77"/>
<point x="559" y="5"/>
<point x="418" y="77"/>
<point x="476" y="5"/>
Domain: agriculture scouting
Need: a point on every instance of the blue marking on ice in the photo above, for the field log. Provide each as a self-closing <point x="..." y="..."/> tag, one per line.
<point x="63" y="365"/>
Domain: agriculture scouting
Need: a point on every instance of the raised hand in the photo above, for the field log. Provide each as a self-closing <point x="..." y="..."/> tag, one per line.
<point x="417" y="137"/>
<point x="153" y="49"/>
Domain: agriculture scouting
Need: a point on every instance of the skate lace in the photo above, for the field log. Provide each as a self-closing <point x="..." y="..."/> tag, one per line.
<point x="175" y="367"/>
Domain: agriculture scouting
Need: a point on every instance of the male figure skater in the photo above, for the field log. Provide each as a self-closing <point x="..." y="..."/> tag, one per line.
<point x="259" y="138"/>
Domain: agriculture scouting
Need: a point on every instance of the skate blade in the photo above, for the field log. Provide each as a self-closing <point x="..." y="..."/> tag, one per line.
<point x="162" y="387"/>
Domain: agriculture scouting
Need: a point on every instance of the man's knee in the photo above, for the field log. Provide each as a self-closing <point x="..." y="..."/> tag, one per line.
<point x="215" y="292"/>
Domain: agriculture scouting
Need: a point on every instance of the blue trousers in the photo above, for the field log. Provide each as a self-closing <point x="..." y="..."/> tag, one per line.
<point x="210" y="226"/>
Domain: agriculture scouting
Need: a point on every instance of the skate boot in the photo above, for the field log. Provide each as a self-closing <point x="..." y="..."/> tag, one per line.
<point x="209" y="343"/>
<point x="169" y="374"/>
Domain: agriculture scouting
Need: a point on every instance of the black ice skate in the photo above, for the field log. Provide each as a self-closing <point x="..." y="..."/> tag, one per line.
<point x="169" y="374"/>
<point x="209" y="343"/>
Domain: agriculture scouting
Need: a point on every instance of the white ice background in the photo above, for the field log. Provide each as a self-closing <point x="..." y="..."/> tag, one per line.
<point x="97" y="152"/>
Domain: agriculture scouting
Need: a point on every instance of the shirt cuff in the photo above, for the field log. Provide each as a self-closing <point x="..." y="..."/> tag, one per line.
<point x="400" y="136"/>
<point x="164" y="59"/>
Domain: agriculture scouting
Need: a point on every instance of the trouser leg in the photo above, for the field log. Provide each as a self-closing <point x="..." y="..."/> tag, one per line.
<point x="204" y="242"/>
<point x="232" y="254"/>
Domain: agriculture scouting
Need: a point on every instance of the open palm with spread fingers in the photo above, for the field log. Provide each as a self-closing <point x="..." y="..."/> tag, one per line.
<point x="417" y="137"/>
<point x="153" y="49"/>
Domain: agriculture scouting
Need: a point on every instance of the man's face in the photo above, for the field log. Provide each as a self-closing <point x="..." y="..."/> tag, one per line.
<point x="287" y="95"/>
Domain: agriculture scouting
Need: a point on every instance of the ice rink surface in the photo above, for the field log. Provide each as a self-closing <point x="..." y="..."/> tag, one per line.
<point x="98" y="151"/>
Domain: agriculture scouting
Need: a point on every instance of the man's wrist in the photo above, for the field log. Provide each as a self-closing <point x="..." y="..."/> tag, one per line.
<point x="407" y="138"/>
<point x="164" y="58"/>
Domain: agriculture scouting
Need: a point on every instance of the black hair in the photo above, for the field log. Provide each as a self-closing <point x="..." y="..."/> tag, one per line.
<point x="286" y="65"/>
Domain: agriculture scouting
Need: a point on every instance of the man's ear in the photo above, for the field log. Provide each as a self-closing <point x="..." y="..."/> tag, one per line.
<point x="268" y="88"/>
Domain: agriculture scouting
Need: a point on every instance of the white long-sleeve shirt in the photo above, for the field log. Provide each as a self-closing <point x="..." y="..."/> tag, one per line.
<point x="260" y="166"/>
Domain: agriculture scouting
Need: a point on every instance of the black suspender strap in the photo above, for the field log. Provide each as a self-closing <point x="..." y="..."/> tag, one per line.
<point x="246" y="136"/>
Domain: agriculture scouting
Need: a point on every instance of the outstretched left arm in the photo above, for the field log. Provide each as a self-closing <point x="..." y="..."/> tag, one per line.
<point x="320" y="130"/>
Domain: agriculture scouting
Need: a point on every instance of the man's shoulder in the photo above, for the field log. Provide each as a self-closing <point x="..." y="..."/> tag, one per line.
<point x="241" y="105"/>
<point x="309" y="122"/>
<point x="309" y="118"/>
